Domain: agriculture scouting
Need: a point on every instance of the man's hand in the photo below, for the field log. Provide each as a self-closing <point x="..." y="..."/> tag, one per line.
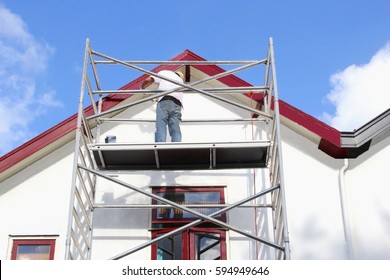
<point x="147" y="82"/>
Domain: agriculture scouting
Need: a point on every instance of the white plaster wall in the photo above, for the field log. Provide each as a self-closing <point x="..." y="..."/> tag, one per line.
<point x="196" y="107"/>
<point x="35" y="201"/>
<point x="367" y="184"/>
<point x="312" y="198"/>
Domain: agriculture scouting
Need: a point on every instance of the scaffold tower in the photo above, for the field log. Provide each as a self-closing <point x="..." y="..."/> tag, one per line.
<point x="97" y="159"/>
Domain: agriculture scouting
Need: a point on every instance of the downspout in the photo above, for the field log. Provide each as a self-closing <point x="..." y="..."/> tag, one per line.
<point x="344" y="210"/>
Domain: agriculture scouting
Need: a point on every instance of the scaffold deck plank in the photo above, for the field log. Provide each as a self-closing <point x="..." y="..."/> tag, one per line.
<point x="180" y="156"/>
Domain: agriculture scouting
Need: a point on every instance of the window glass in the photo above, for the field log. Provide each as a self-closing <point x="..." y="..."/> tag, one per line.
<point x="207" y="246"/>
<point x="188" y="198"/>
<point x="170" y="248"/>
<point x="33" y="252"/>
<point x="193" y="196"/>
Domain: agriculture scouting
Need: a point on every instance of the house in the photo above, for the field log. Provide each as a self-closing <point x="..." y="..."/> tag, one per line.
<point x="253" y="178"/>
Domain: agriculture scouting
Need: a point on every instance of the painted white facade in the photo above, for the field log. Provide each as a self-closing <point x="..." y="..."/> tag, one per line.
<point x="367" y="184"/>
<point x="313" y="201"/>
<point x="35" y="201"/>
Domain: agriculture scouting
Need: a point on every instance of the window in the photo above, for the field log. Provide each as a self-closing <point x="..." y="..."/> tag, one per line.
<point x="206" y="241"/>
<point x="33" y="249"/>
<point x="162" y="217"/>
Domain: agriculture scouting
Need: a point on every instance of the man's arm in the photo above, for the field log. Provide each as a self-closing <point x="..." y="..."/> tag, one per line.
<point x="147" y="82"/>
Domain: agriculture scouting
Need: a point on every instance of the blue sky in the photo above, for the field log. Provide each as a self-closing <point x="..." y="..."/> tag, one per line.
<point x="332" y="57"/>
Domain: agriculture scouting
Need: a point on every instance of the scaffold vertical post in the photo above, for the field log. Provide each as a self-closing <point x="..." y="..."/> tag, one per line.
<point x="279" y="152"/>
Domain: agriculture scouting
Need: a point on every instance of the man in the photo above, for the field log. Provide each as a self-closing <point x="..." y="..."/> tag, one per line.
<point x="168" y="111"/>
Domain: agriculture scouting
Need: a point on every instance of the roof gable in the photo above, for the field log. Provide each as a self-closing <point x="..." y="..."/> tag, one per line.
<point x="330" y="138"/>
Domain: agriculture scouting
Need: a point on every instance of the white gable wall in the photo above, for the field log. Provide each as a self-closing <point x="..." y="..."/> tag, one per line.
<point x="35" y="201"/>
<point x="313" y="203"/>
<point x="196" y="107"/>
<point x="367" y="184"/>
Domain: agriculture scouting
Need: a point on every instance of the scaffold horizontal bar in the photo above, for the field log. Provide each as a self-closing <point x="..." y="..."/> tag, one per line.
<point x="177" y="145"/>
<point x="181" y="62"/>
<point x="185" y="120"/>
<point x="155" y="206"/>
<point x="221" y="90"/>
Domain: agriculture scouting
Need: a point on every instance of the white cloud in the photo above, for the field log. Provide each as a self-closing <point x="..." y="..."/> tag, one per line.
<point x="23" y="60"/>
<point x="360" y="93"/>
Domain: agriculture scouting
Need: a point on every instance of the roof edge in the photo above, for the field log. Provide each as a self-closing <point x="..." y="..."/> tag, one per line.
<point x="357" y="142"/>
<point x="38" y="142"/>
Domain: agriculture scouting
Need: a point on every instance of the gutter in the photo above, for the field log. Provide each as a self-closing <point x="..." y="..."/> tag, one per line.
<point x="344" y="210"/>
<point x="353" y="144"/>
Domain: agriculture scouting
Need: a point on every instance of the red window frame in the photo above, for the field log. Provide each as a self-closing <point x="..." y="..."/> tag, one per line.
<point x="17" y="242"/>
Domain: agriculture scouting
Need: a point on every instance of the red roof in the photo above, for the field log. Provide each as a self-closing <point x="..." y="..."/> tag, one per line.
<point x="330" y="137"/>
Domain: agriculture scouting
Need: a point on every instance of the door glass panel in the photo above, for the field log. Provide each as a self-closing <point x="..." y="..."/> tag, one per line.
<point x="170" y="248"/>
<point x="207" y="246"/>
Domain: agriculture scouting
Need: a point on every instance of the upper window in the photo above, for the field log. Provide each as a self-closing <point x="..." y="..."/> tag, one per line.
<point x="187" y="196"/>
<point x="33" y="249"/>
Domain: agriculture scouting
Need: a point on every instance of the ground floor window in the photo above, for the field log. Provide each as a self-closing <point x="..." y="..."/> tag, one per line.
<point x="33" y="249"/>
